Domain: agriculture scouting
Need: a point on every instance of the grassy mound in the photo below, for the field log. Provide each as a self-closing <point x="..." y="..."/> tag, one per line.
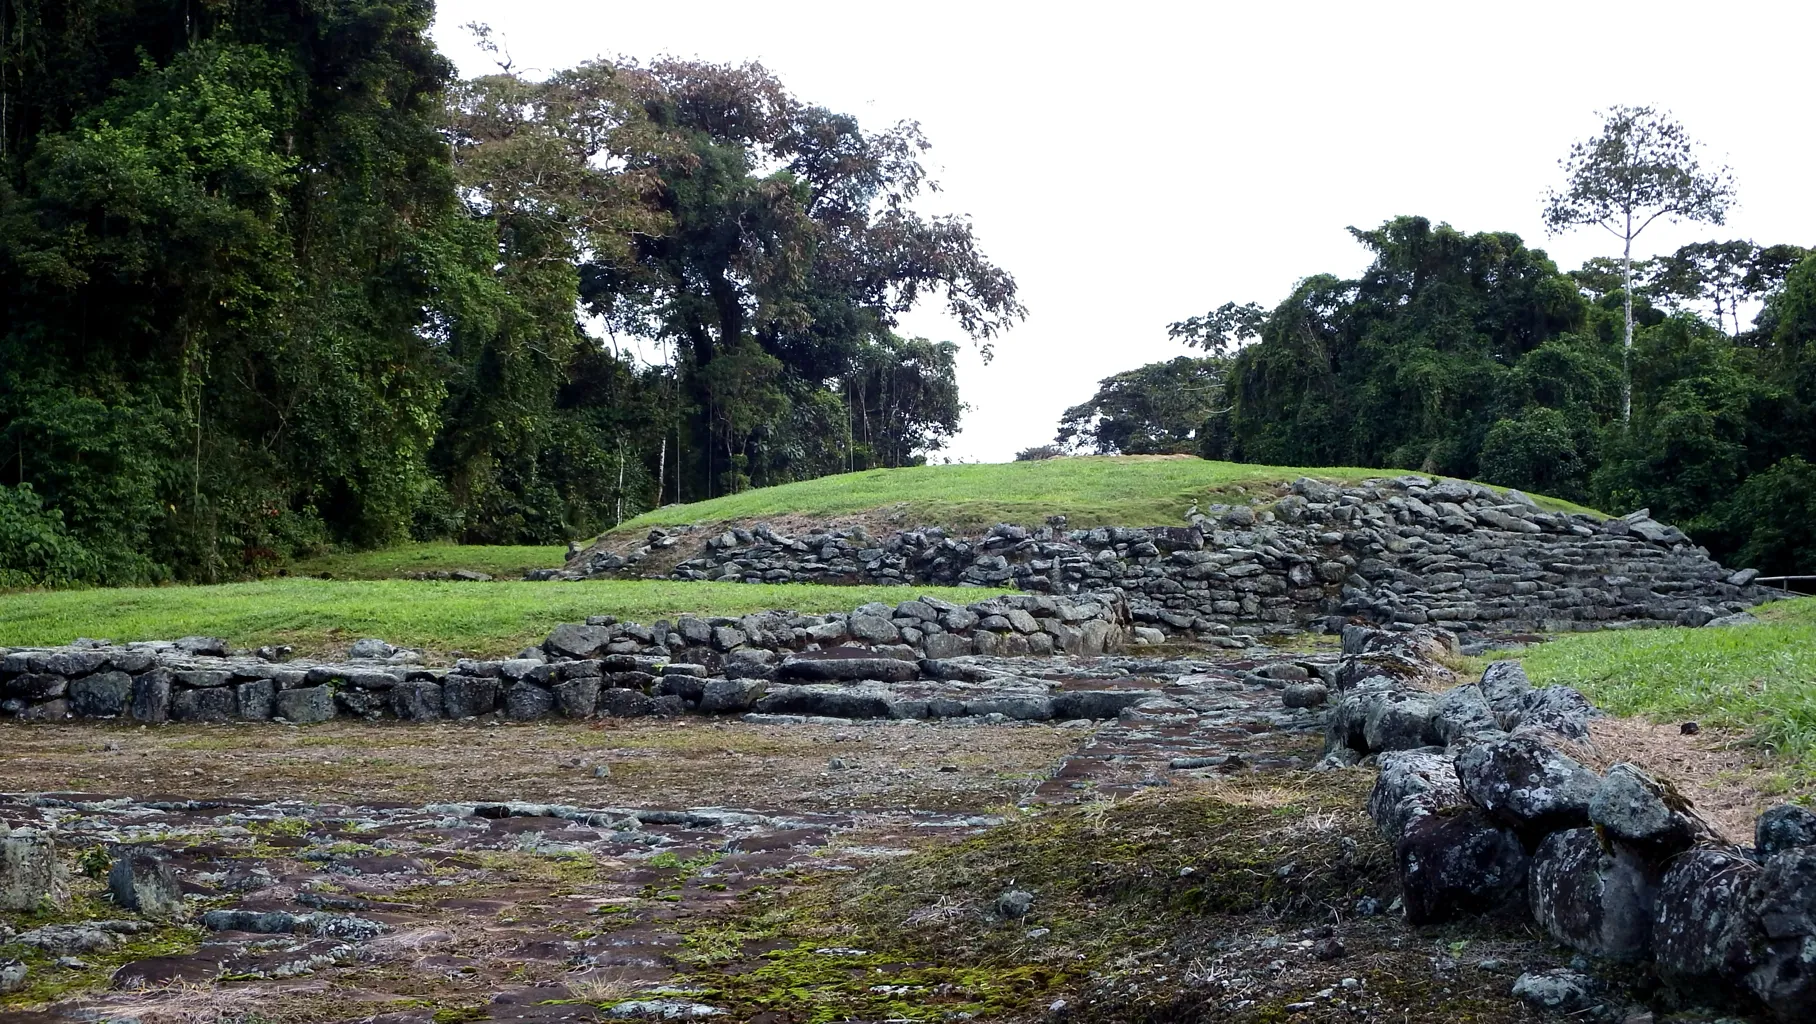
<point x="320" y="616"/>
<point x="1760" y="679"/>
<point x="1094" y="491"/>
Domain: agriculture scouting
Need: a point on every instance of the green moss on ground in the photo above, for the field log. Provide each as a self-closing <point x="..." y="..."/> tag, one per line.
<point x="321" y="616"/>
<point x="1093" y="491"/>
<point x="922" y="937"/>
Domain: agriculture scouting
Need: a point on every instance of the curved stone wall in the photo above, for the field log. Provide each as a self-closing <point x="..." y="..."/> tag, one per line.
<point x="1407" y="549"/>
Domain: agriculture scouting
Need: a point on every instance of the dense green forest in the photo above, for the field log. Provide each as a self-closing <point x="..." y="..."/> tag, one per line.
<point x="274" y="278"/>
<point x="1472" y="355"/>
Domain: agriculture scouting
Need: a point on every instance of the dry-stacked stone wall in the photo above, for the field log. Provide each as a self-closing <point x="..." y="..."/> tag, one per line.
<point x="868" y="663"/>
<point x="1409" y="549"/>
<point x="1488" y="811"/>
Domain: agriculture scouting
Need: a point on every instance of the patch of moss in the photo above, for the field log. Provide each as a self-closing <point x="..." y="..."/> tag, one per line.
<point x="922" y="937"/>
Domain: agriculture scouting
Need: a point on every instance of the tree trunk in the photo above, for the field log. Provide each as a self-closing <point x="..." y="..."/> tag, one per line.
<point x="1627" y="326"/>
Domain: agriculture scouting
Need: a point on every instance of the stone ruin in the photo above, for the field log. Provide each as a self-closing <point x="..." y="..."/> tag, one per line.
<point x="878" y="661"/>
<point x="1408" y="550"/>
<point x="1488" y="812"/>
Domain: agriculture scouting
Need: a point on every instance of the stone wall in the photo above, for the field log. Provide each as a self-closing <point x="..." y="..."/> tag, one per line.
<point x="782" y="662"/>
<point x="1488" y="812"/>
<point x="1407" y="549"/>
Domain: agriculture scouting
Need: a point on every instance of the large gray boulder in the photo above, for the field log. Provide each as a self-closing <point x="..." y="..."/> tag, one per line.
<point x="1783" y="900"/>
<point x="1528" y="785"/>
<point x="1411" y="784"/>
<point x="1457" y="864"/>
<point x="30" y="874"/>
<point x="1632" y="806"/>
<point x="619" y="702"/>
<point x="142" y="879"/>
<point x="254" y="700"/>
<point x="151" y="695"/>
<point x="418" y="701"/>
<point x="526" y="702"/>
<point x="578" y="697"/>
<point x="468" y="696"/>
<point x="102" y="695"/>
<point x="1784" y="827"/>
<point x="833" y="666"/>
<point x="1590" y="898"/>
<point x="1701" y="923"/>
<point x="215" y="704"/>
<point x="305" y="705"/>
<point x="577" y="641"/>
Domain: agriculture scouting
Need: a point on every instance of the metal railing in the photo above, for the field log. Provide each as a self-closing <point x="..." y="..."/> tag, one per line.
<point x="1784" y="583"/>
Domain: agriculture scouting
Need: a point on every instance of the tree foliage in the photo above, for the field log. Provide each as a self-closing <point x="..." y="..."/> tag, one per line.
<point x="1471" y="355"/>
<point x="275" y="279"/>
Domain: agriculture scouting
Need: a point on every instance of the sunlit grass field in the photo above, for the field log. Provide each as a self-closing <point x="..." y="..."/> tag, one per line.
<point x="320" y="616"/>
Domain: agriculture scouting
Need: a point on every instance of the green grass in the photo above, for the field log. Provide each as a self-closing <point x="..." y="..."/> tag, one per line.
<point x="1091" y="491"/>
<point x="1759" y="678"/>
<point x="501" y="560"/>
<point x="480" y="618"/>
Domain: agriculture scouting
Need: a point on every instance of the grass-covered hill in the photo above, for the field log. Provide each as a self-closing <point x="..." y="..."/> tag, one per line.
<point x="1134" y="490"/>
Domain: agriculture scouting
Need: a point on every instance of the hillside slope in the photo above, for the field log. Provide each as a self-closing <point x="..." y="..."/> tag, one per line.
<point x="1132" y="490"/>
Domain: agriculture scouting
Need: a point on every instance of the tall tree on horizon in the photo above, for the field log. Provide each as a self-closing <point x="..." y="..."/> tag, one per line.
<point x="1641" y="167"/>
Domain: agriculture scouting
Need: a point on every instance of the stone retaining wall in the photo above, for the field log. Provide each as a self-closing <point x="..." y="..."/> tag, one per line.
<point x="1408" y="549"/>
<point x="1487" y="811"/>
<point x="781" y="662"/>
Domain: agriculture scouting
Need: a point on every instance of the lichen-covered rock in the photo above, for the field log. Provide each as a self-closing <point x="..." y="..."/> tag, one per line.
<point x="1632" y="806"/>
<point x="12" y="975"/>
<point x="526" y="702"/>
<point x="577" y="697"/>
<point x="102" y="695"/>
<point x="30" y="875"/>
<point x="1457" y="864"/>
<point x="1558" y="991"/>
<point x="417" y="701"/>
<point x="1527" y="785"/>
<point x="834" y="666"/>
<point x="1412" y="783"/>
<point x="204" y="705"/>
<point x="1783" y="901"/>
<point x="1557" y="710"/>
<point x="1784" y="827"/>
<point x="254" y="700"/>
<point x="143" y="880"/>
<point x="305" y="705"/>
<point x="151" y="695"/>
<point x="618" y="702"/>
<point x="1462" y="713"/>
<point x="1701" y="923"/>
<point x="1592" y="899"/>
<point x="464" y="696"/>
<point x="1504" y="686"/>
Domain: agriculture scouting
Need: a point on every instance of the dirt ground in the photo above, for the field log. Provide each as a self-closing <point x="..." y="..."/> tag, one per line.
<point x="1180" y="862"/>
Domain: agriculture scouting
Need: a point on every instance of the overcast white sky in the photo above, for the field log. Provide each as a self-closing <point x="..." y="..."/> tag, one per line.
<point x="1136" y="163"/>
